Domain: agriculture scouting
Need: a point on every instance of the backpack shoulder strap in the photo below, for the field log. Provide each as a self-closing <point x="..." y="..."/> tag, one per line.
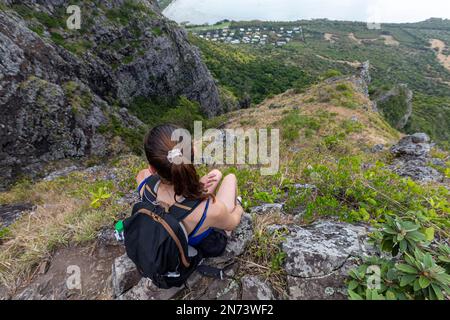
<point x="147" y="206"/>
<point x="180" y="210"/>
<point x="150" y="188"/>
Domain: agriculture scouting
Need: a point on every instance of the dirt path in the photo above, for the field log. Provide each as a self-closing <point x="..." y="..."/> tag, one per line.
<point x="354" y="64"/>
<point x="94" y="264"/>
<point x="330" y="37"/>
<point x="352" y="37"/>
<point x="390" y="40"/>
<point x="443" y="59"/>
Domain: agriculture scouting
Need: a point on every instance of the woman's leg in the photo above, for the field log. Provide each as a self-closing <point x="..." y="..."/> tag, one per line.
<point x="228" y="192"/>
<point x="212" y="180"/>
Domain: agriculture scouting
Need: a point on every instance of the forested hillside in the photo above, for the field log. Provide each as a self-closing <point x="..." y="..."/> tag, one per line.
<point x="414" y="54"/>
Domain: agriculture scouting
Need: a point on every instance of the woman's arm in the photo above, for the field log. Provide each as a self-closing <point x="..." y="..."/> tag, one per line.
<point x="141" y="176"/>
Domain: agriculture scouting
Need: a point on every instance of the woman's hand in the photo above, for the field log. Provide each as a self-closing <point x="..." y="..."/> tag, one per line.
<point x="212" y="180"/>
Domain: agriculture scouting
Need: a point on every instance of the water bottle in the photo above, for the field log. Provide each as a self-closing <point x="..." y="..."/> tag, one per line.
<point x="119" y="231"/>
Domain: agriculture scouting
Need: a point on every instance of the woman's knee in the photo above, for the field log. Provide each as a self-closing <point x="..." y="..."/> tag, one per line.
<point x="231" y="178"/>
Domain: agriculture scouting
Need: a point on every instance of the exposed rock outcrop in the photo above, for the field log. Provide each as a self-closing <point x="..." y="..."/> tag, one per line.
<point x="254" y="288"/>
<point x="60" y="89"/>
<point x="361" y="81"/>
<point x="412" y="158"/>
<point x="10" y="213"/>
<point x="319" y="256"/>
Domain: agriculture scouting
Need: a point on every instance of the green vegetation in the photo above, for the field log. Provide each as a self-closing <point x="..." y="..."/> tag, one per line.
<point x="130" y="10"/>
<point x="180" y="111"/>
<point x="411" y="62"/>
<point x="431" y="114"/>
<point x="133" y="137"/>
<point x="293" y="122"/>
<point x="395" y="107"/>
<point x="78" y="97"/>
<point x="245" y="73"/>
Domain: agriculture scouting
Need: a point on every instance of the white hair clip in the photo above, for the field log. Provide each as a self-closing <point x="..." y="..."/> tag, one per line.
<point x="173" y="154"/>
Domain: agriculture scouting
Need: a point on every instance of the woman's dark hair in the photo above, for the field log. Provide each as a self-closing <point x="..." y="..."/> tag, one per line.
<point x="184" y="178"/>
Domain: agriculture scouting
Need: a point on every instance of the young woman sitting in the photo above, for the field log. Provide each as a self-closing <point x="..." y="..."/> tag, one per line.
<point x="218" y="210"/>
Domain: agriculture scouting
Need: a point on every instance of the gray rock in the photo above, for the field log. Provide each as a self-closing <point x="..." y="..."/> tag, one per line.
<point x="420" y="138"/>
<point x="254" y="288"/>
<point x="328" y="287"/>
<point x="10" y="213"/>
<point x="124" y="275"/>
<point x="300" y="186"/>
<point x="240" y="237"/>
<point x="408" y="147"/>
<point x="412" y="159"/>
<point x="268" y="209"/>
<point x="106" y="237"/>
<point x="438" y="162"/>
<point x="61" y="173"/>
<point x="416" y="169"/>
<point x="377" y="148"/>
<point x="321" y="248"/>
<point x="227" y="289"/>
<point x="319" y="257"/>
<point x="146" y="290"/>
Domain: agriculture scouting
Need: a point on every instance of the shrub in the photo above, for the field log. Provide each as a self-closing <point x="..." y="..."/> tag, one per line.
<point x="331" y="74"/>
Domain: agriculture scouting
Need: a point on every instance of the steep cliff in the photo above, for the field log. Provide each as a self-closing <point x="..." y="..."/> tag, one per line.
<point x="65" y="93"/>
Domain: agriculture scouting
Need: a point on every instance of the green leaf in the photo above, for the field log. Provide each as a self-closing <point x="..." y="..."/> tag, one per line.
<point x="424" y="282"/>
<point x="437" y="291"/>
<point x="354" y="295"/>
<point x="407" y="279"/>
<point x="403" y="245"/>
<point x="390" y="295"/>
<point x="428" y="261"/>
<point x="377" y="296"/>
<point x="416" y="236"/>
<point x="352" y="285"/>
<point x="386" y="245"/>
<point x="406" y="268"/>
<point x="416" y="285"/>
<point x="409" y="226"/>
<point x="429" y="234"/>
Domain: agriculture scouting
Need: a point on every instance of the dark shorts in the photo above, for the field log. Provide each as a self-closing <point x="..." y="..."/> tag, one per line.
<point x="214" y="244"/>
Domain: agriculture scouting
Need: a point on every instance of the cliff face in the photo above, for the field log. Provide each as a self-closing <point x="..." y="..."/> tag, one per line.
<point x="61" y="90"/>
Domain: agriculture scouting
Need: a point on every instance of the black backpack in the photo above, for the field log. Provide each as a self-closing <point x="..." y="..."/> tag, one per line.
<point x="157" y="242"/>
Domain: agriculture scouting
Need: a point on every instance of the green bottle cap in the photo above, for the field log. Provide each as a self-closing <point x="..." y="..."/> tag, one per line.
<point x="119" y="226"/>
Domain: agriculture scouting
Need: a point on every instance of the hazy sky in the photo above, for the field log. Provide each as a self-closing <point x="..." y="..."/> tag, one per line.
<point x="201" y="11"/>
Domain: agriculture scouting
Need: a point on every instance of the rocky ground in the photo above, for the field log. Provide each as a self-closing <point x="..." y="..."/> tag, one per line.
<point x="318" y="259"/>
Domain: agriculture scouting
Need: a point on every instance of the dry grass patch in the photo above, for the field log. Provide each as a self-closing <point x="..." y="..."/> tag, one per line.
<point x="63" y="215"/>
